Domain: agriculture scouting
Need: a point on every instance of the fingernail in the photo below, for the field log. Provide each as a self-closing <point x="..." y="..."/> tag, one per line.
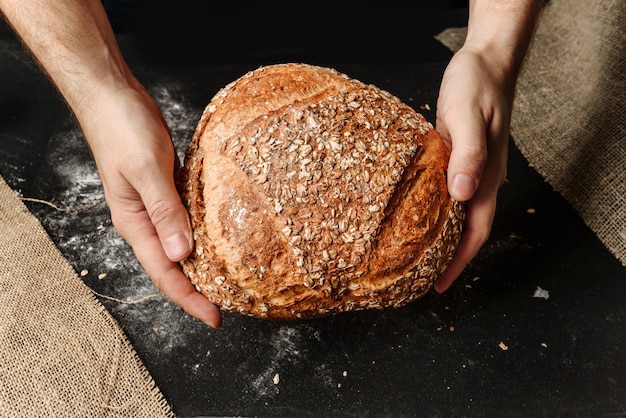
<point x="213" y="317"/>
<point x="213" y="324"/>
<point x="176" y="246"/>
<point x="463" y="186"/>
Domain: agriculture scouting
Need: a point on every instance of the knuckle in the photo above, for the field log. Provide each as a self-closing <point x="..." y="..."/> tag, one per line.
<point x="142" y="168"/>
<point x="161" y="212"/>
<point x="476" y="153"/>
<point x="121" y="223"/>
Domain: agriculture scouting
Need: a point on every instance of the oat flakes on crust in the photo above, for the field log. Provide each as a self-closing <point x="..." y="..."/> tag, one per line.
<point x="312" y="193"/>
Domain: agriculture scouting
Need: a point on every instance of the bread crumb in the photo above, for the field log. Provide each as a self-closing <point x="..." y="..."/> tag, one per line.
<point x="503" y="346"/>
<point x="451" y="329"/>
<point x="155" y="329"/>
<point x="102" y="276"/>
<point x="425" y="106"/>
<point x="84" y="272"/>
<point x="544" y="345"/>
<point x="345" y="373"/>
<point x="276" y="379"/>
<point x="530" y="210"/>
<point x="541" y="293"/>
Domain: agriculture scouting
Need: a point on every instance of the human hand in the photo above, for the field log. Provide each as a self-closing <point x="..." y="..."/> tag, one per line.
<point x="136" y="161"/>
<point x="473" y="116"/>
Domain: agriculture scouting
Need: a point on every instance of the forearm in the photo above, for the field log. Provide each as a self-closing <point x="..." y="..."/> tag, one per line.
<point x="74" y="43"/>
<point x="504" y="29"/>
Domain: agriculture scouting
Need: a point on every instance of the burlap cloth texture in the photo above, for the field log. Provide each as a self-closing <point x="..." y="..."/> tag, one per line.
<point x="61" y="353"/>
<point x="568" y="116"/>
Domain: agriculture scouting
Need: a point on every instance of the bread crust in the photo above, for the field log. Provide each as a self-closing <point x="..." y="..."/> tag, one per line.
<point x="311" y="193"/>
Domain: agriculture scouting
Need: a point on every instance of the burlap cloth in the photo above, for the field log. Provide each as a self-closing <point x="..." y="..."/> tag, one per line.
<point x="61" y="353"/>
<point x="568" y="116"/>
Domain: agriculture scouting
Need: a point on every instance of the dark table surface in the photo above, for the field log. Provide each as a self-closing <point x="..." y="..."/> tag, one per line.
<point x="488" y="346"/>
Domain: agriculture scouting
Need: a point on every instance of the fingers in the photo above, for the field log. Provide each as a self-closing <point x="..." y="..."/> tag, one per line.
<point x="480" y="212"/>
<point x="480" y="204"/>
<point x="138" y="230"/>
<point x="153" y="179"/>
<point x="171" y="221"/>
<point x="466" y="132"/>
<point x="168" y="278"/>
<point x="164" y="237"/>
<point x="147" y="211"/>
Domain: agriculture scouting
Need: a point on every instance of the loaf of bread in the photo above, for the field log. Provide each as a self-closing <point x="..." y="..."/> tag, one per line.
<point x="312" y="193"/>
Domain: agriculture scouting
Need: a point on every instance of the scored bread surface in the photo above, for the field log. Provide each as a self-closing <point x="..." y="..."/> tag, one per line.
<point x="312" y="193"/>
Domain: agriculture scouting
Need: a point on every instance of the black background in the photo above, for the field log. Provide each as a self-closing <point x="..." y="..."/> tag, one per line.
<point x="440" y="356"/>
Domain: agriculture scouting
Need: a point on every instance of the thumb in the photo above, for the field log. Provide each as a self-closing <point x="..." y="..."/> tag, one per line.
<point x="169" y="217"/>
<point x="467" y="136"/>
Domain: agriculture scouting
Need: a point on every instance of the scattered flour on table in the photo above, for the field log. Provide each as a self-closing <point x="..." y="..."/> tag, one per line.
<point x="76" y="170"/>
<point x="179" y="115"/>
<point x="288" y="348"/>
<point x="87" y="237"/>
<point x="285" y="343"/>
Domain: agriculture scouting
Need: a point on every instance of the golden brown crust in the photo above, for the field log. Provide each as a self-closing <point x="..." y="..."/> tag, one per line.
<point x="312" y="193"/>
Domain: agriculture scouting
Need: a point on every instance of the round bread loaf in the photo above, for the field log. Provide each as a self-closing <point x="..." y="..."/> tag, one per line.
<point x="311" y="193"/>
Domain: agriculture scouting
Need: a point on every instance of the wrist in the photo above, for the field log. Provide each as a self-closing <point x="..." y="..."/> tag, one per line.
<point x="502" y="30"/>
<point x="99" y="81"/>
